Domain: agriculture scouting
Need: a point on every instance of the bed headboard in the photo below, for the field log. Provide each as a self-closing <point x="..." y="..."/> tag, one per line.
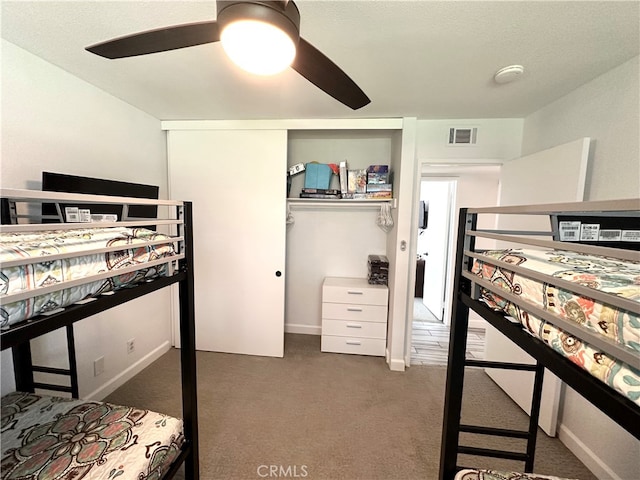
<point x="599" y="229"/>
<point x="58" y="182"/>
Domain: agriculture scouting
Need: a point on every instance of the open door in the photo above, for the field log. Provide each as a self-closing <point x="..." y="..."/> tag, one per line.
<point x="554" y="175"/>
<point x="437" y="195"/>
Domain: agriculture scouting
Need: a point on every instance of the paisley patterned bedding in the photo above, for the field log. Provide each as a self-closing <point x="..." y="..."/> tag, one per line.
<point x="497" y="475"/>
<point x="51" y="438"/>
<point x="604" y="274"/>
<point x="21" y="278"/>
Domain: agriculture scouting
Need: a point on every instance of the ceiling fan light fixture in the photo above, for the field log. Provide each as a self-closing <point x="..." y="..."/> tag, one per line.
<point x="258" y="47"/>
<point x="259" y="38"/>
<point x="282" y="16"/>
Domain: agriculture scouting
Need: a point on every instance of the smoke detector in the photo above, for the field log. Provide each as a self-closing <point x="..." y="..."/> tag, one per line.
<point x="508" y="74"/>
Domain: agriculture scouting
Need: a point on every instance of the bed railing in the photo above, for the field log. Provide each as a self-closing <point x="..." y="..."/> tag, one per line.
<point x="467" y="287"/>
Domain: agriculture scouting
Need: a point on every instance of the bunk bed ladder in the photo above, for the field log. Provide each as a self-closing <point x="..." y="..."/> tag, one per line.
<point x="530" y="435"/>
<point x="24" y="369"/>
<point x="452" y="426"/>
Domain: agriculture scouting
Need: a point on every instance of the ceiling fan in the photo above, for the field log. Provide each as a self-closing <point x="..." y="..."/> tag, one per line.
<point x="238" y="21"/>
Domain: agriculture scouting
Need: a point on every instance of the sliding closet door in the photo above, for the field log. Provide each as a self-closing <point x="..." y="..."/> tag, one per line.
<point x="237" y="182"/>
<point x="554" y="175"/>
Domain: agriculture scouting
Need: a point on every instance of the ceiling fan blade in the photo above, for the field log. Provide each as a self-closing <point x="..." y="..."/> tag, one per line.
<point x="326" y="75"/>
<point x="158" y="40"/>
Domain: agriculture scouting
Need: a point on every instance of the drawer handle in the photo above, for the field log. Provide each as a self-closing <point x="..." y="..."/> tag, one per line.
<point x="353" y="325"/>
<point x="354" y="292"/>
<point x="351" y="342"/>
<point x="353" y="309"/>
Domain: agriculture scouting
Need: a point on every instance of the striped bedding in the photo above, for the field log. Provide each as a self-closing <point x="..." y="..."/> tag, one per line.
<point x="604" y="274"/>
<point x="51" y="438"/>
<point x="17" y="279"/>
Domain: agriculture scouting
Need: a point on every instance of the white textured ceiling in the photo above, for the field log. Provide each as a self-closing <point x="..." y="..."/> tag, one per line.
<point x="417" y="58"/>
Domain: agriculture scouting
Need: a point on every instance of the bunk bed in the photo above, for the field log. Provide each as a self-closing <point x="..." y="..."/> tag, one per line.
<point x="63" y="277"/>
<point x="568" y="296"/>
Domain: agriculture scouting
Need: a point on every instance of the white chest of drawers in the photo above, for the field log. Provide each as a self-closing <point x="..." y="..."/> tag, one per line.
<point x="354" y="316"/>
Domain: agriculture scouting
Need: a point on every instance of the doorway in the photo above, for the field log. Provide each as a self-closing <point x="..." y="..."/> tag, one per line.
<point x="446" y="188"/>
<point x="436" y="200"/>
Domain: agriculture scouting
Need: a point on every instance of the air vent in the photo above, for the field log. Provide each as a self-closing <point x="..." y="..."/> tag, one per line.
<point x="463" y="136"/>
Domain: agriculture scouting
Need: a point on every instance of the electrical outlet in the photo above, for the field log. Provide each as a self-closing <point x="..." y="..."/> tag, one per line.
<point x="131" y="345"/>
<point x="98" y="366"/>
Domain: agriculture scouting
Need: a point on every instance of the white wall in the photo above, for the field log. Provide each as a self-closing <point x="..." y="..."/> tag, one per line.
<point x="54" y="121"/>
<point x="498" y="139"/>
<point x="606" y="109"/>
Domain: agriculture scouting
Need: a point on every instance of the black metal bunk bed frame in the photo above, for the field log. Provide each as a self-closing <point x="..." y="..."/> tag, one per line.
<point x="18" y="336"/>
<point x="620" y="409"/>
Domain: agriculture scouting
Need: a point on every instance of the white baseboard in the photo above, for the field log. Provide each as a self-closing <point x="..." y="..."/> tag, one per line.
<point x="585" y="455"/>
<point x="396" y="365"/>
<point x="302" y="329"/>
<point x="129" y="373"/>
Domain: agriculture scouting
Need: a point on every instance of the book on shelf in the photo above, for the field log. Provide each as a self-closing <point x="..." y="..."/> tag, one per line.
<point x="344" y="185"/>
<point x="323" y="191"/>
<point x="379" y="187"/>
<point x="387" y="195"/>
<point x="377" y="178"/>
<point x="319" y="195"/>
<point x="357" y="181"/>
<point x="326" y="193"/>
<point x="378" y="169"/>
<point x="384" y="195"/>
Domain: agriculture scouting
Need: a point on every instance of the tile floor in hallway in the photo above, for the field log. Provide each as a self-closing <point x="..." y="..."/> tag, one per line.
<point x="430" y="340"/>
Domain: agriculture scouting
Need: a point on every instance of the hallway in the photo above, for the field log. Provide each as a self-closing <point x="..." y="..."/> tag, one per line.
<point x="430" y="339"/>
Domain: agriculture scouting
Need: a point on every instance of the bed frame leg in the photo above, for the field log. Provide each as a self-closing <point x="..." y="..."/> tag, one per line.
<point x="23" y="367"/>
<point x="73" y="365"/>
<point x="453" y="392"/>
<point x="456" y="360"/>
<point x="533" y="419"/>
<point x="188" y="351"/>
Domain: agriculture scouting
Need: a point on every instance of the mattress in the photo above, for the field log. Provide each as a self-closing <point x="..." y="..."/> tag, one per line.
<point x="23" y="278"/>
<point x="51" y="438"/>
<point x="497" y="475"/>
<point x="599" y="273"/>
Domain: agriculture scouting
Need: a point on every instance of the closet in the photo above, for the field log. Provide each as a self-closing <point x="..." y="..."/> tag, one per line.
<point x="256" y="275"/>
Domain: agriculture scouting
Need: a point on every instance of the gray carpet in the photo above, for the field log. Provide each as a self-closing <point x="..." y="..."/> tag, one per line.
<point x="329" y="416"/>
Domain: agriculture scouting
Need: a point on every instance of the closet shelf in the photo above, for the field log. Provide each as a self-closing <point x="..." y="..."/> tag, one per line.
<point x="340" y="203"/>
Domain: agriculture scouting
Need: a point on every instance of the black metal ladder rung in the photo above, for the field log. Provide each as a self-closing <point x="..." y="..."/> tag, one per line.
<point x="52" y="387"/>
<point x="498" y="432"/>
<point x="487" y="452"/>
<point x="52" y="370"/>
<point x="502" y="365"/>
<point x="24" y="368"/>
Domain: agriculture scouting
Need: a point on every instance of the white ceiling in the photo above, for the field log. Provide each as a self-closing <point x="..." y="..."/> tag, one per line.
<point x="430" y="59"/>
